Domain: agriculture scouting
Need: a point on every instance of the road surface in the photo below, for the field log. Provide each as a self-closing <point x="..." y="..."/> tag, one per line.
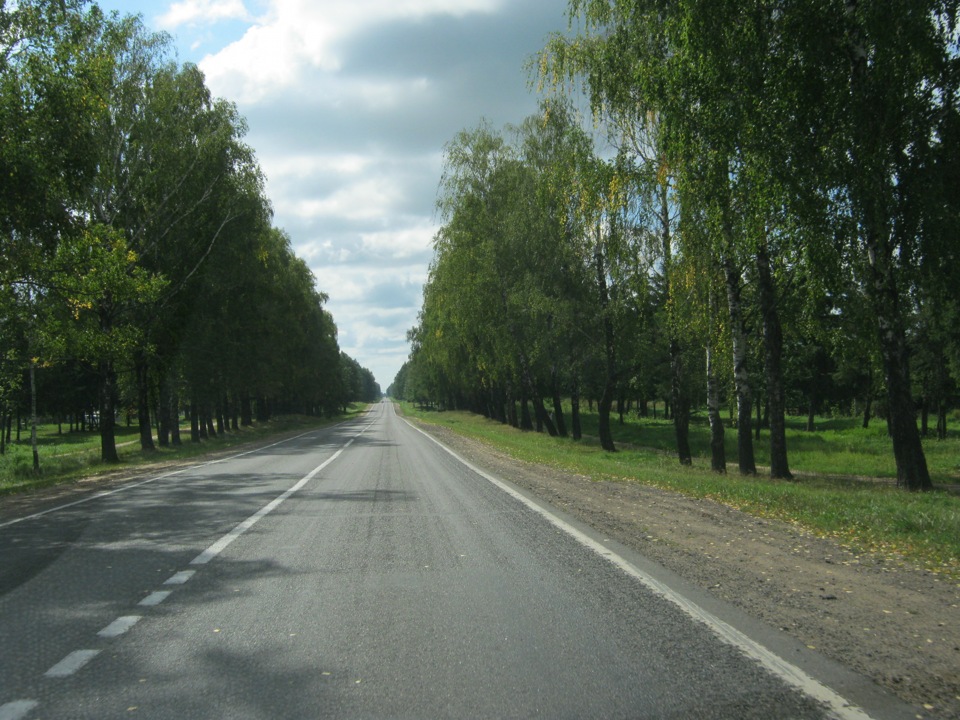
<point x="360" y="571"/>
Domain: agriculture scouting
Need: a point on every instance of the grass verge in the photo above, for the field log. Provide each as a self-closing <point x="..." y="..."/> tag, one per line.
<point x="862" y="514"/>
<point x="68" y="457"/>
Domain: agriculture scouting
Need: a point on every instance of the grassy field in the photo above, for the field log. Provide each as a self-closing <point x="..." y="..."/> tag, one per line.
<point x="837" y="446"/>
<point x="66" y="457"/>
<point x="845" y="490"/>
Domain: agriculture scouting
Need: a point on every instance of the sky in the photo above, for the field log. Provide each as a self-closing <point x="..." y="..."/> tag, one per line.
<point x="349" y="105"/>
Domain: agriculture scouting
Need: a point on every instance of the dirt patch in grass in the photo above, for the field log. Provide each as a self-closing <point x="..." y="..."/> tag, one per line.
<point x="881" y="616"/>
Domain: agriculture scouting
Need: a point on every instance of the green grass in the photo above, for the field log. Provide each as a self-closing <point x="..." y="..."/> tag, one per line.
<point x="69" y="457"/>
<point x="865" y="515"/>
<point x="837" y="446"/>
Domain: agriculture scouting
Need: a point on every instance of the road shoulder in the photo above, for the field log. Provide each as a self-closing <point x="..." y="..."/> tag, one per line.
<point x="889" y="621"/>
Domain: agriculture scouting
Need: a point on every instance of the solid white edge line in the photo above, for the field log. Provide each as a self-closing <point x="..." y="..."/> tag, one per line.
<point x="220" y="545"/>
<point x="17" y="709"/>
<point x="71" y="663"/>
<point x="786" y="671"/>
<point x="119" y="626"/>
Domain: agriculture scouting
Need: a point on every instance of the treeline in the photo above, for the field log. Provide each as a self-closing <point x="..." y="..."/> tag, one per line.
<point x="141" y="272"/>
<point x="773" y="229"/>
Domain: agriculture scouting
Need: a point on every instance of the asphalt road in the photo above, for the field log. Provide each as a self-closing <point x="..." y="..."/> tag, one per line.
<point x="359" y="571"/>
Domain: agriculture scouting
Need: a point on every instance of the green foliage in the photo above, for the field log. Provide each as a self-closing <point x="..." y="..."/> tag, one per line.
<point x="137" y="240"/>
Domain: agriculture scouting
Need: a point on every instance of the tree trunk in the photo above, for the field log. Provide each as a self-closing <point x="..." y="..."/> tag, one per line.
<point x="745" y="458"/>
<point x="558" y="407"/>
<point x="872" y="194"/>
<point x="143" y="403"/>
<point x="718" y="451"/>
<point x="609" y="386"/>
<point x="575" y="411"/>
<point x="246" y="410"/>
<point x="219" y="413"/>
<point x="108" y="395"/>
<point x="512" y="418"/>
<point x="194" y="421"/>
<point x="543" y="417"/>
<point x="226" y="411"/>
<point x="164" y="415"/>
<point x="758" y="403"/>
<point x="603" y="409"/>
<point x="263" y="409"/>
<point x="500" y="404"/>
<point x="912" y="472"/>
<point x="33" y="417"/>
<point x="526" y="423"/>
<point x="681" y="405"/>
<point x="772" y="355"/>
<point x="174" y="417"/>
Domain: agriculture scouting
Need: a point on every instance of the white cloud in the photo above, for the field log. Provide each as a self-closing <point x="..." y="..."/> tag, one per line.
<point x="350" y="103"/>
<point x="297" y="36"/>
<point x="369" y="199"/>
<point x="195" y="12"/>
<point x="400" y="243"/>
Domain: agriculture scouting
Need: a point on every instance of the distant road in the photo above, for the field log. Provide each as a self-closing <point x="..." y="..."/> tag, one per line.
<point x="359" y="571"/>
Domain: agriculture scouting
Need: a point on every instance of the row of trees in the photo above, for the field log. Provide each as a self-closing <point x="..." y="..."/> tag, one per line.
<point x="140" y="267"/>
<point x="775" y="223"/>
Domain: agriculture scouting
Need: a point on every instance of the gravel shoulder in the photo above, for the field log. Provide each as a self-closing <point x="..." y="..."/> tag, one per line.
<point x="894" y="623"/>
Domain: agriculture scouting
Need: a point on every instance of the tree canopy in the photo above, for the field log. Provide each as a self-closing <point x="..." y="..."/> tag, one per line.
<point x="792" y="163"/>
<point x="141" y="271"/>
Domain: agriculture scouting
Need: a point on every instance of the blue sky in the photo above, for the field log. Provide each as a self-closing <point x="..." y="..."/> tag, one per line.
<point x="349" y="104"/>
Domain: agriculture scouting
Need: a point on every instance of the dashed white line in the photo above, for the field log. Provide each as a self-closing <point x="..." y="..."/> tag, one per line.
<point x="119" y="626"/>
<point x="17" y="709"/>
<point x="220" y="545"/>
<point x="71" y="663"/>
<point x="130" y="486"/>
<point x="180" y="578"/>
<point x="155" y="598"/>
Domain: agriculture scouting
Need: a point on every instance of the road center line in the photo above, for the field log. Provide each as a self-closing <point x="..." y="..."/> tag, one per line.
<point x="220" y="545"/>
<point x="839" y="707"/>
<point x="17" y="709"/>
<point x="155" y="598"/>
<point x="180" y="578"/>
<point x="119" y="626"/>
<point x="130" y="486"/>
<point x="71" y="663"/>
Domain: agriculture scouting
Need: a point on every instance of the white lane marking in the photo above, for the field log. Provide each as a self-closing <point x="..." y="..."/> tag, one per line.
<point x="119" y="626"/>
<point x="107" y="493"/>
<point x="180" y="578"/>
<point x="155" y="598"/>
<point x="17" y="709"/>
<point x="839" y="707"/>
<point x="220" y="545"/>
<point x="71" y="663"/>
